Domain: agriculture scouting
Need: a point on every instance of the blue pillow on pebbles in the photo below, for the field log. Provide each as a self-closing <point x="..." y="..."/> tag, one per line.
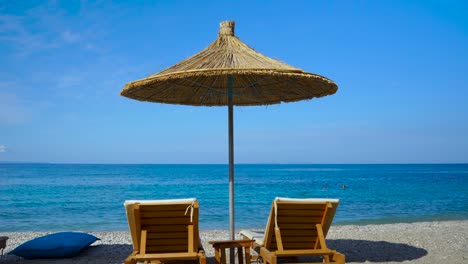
<point x="58" y="245"/>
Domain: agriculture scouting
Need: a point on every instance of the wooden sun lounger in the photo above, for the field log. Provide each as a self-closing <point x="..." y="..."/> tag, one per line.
<point x="296" y="227"/>
<point x="164" y="231"/>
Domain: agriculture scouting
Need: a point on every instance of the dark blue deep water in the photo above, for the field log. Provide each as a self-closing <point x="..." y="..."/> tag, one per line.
<point x="50" y="197"/>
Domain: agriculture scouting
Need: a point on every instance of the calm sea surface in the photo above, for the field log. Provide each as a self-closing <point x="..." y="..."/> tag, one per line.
<point x="50" y="197"/>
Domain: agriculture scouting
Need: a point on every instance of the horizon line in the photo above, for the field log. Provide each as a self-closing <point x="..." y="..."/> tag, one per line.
<point x="261" y="163"/>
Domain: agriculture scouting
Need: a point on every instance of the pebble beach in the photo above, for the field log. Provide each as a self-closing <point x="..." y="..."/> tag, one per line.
<point x="422" y="242"/>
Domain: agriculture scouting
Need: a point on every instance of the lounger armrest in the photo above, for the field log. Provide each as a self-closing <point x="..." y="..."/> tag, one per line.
<point x="268" y="256"/>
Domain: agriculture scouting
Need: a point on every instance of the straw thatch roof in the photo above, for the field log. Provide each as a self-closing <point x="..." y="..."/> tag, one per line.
<point x="203" y="78"/>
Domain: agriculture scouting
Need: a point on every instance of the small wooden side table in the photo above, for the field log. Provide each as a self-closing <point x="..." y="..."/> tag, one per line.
<point x="241" y="246"/>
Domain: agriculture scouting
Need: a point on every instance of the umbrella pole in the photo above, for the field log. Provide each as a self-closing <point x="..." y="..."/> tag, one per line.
<point x="231" y="162"/>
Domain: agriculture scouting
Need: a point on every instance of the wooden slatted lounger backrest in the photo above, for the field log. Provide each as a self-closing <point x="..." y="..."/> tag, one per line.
<point x="297" y="223"/>
<point x="170" y="227"/>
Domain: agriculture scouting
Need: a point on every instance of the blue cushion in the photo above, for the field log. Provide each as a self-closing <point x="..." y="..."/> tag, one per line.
<point x="58" y="245"/>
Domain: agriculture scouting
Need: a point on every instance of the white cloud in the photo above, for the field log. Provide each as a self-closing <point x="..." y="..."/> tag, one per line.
<point x="3" y="149"/>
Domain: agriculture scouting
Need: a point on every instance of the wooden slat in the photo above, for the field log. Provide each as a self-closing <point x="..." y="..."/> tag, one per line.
<point x="301" y="206"/>
<point x="164" y="214"/>
<point x="135" y="227"/>
<point x="143" y="242"/>
<point x="162" y="242"/>
<point x="310" y="226"/>
<point x="323" y="245"/>
<point x="285" y="212"/>
<point x="311" y="252"/>
<point x="299" y="245"/>
<point x="279" y="242"/>
<point x="169" y="256"/>
<point x="310" y="243"/>
<point x="298" y="219"/>
<point x="190" y="244"/>
<point x="166" y="229"/>
<point x="171" y="248"/>
<point x="286" y="240"/>
<point x="298" y="232"/>
<point x="273" y="247"/>
<point x="158" y="208"/>
<point x="165" y="221"/>
<point x="167" y="235"/>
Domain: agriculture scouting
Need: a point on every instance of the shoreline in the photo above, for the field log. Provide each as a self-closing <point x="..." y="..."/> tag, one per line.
<point x="419" y="242"/>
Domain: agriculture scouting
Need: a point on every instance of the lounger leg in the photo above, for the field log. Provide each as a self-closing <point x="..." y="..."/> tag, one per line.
<point x="131" y="259"/>
<point x="339" y="258"/>
<point x="201" y="258"/>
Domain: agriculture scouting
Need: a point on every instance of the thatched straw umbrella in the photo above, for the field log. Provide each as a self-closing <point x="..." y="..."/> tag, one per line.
<point x="228" y="72"/>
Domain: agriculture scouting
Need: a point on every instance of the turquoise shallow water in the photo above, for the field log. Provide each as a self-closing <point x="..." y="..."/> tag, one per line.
<point x="50" y="197"/>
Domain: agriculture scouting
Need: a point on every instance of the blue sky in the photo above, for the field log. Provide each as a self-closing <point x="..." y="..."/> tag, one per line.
<point x="401" y="68"/>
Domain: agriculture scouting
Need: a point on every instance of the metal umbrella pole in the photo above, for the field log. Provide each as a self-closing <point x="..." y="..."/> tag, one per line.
<point x="231" y="163"/>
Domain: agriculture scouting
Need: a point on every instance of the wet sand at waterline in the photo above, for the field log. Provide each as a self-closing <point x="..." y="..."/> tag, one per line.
<point x="423" y="242"/>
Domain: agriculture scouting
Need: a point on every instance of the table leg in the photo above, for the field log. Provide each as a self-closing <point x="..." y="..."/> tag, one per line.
<point x="217" y="258"/>
<point x="223" y="256"/>
<point x="240" y="255"/>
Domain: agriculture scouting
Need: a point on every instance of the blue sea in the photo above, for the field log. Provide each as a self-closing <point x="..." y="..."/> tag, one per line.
<point x="52" y="197"/>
